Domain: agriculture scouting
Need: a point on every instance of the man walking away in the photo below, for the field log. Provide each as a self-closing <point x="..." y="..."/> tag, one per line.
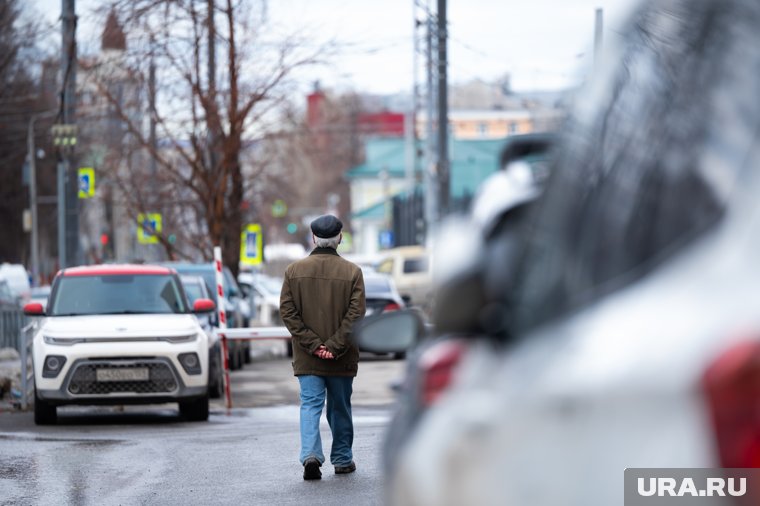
<point x="322" y="297"/>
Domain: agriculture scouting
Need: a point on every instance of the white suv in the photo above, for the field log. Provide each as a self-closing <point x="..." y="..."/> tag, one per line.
<point x="120" y="334"/>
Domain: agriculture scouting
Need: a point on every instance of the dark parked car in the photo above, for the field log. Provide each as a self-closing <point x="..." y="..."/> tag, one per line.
<point x="382" y="297"/>
<point x="236" y="305"/>
<point x="380" y="293"/>
<point x="628" y="333"/>
<point x="40" y="294"/>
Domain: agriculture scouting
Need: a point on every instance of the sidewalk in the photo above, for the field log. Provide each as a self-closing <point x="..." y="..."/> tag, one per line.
<point x="10" y="379"/>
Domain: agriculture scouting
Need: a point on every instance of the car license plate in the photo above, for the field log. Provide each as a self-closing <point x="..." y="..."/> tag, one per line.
<point x="121" y="374"/>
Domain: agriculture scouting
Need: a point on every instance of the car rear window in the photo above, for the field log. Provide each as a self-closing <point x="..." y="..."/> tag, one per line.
<point x="116" y="294"/>
<point x="641" y="172"/>
<point x="208" y="273"/>
<point x="193" y="291"/>
<point x="376" y="284"/>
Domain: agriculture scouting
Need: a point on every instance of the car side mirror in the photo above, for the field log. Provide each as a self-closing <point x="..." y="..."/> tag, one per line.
<point x="389" y="332"/>
<point x="203" y="306"/>
<point x="34" y="309"/>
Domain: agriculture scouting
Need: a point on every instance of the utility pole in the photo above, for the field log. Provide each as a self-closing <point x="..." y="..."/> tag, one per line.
<point x="152" y="108"/>
<point x="212" y="135"/>
<point x="32" y="156"/>
<point x="408" y="223"/>
<point x="153" y="195"/>
<point x="597" y="38"/>
<point x="443" y="114"/>
<point x="431" y="179"/>
<point x="68" y="183"/>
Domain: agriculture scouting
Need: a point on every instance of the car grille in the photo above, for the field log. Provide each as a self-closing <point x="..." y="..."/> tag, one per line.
<point x="161" y="378"/>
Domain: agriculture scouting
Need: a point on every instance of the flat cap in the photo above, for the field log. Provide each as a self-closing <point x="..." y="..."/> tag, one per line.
<point x="326" y="226"/>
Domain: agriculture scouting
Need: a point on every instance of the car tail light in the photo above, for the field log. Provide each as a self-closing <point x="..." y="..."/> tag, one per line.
<point x="732" y="385"/>
<point x="391" y="306"/>
<point x="438" y="365"/>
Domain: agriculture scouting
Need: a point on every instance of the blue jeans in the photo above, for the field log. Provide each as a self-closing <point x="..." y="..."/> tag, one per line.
<point x="338" y="391"/>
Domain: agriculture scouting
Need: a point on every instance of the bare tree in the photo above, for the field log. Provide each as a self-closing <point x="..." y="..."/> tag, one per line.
<point x="202" y="161"/>
<point x="320" y="148"/>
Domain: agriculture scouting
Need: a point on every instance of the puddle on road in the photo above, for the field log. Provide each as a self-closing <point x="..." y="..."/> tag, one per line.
<point x="24" y="436"/>
<point x="291" y="413"/>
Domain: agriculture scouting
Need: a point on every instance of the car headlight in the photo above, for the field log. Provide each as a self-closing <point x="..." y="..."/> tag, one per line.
<point x="181" y="339"/>
<point x="62" y="341"/>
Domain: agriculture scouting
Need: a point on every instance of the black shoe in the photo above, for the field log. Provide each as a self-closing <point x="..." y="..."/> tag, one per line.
<point x="311" y="469"/>
<point x="350" y="468"/>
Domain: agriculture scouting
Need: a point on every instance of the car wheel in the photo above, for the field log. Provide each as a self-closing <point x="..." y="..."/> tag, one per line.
<point x="215" y="380"/>
<point x="234" y="358"/>
<point x="400" y="355"/>
<point x="246" y="352"/>
<point x="195" y="410"/>
<point x="44" y="412"/>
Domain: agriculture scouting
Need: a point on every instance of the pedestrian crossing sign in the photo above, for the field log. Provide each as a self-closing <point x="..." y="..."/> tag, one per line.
<point x="252" y="245"/>
<point x="148" y="226"/>
<point x="86" y="182"/>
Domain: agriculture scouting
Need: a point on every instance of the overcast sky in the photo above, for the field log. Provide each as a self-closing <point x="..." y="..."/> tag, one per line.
<point x="542" y="44"/>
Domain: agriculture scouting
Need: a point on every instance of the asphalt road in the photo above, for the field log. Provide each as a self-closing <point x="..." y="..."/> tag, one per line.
<point x="148" y="455"/>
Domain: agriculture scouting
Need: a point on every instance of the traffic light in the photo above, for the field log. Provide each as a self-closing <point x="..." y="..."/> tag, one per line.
<point x="64" y="135"/>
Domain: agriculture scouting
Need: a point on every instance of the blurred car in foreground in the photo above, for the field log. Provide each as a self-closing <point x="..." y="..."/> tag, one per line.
<point x="119" y="334"/>
<point x="236" y="306"/>
<point x="625" y="331"/>
<point x="196" y="288"/>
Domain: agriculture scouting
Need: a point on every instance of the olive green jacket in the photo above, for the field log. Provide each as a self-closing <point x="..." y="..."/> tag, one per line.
<point x="322" y="297"/>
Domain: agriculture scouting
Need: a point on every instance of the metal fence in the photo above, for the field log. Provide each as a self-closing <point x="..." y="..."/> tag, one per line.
<point x="11" y="322"/>
<point x="16" y="332"/>
<point x="27" y="370"/>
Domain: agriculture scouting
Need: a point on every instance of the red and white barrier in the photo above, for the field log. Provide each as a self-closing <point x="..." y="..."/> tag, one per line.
<point x="222" y="321"/>
<point x="220" y="287"/>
